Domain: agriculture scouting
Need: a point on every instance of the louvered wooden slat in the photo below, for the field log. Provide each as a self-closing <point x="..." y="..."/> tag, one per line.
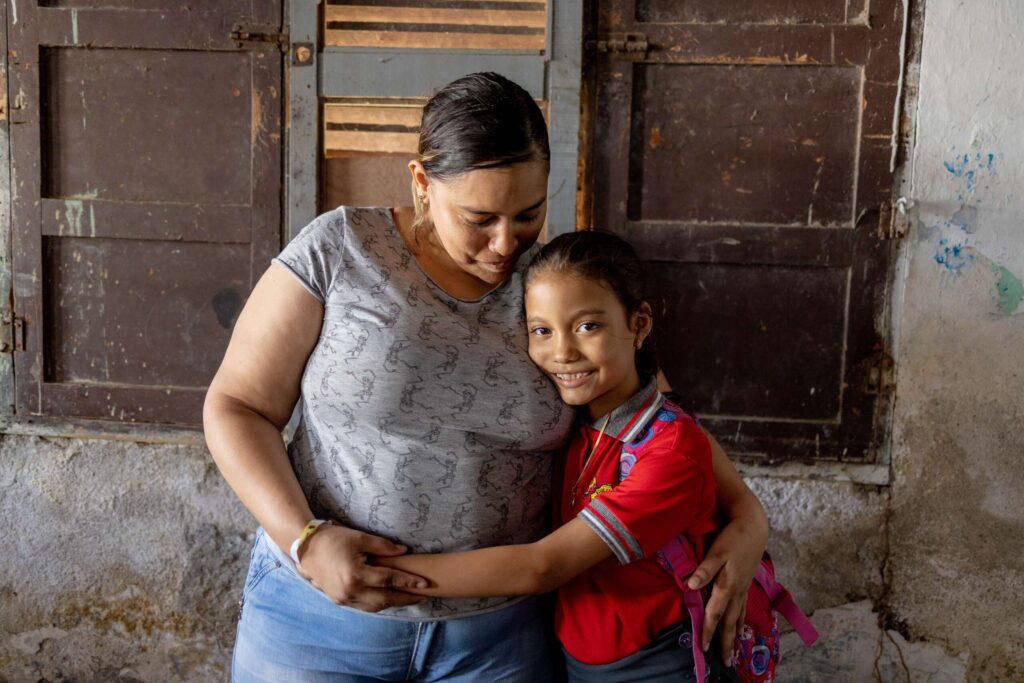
<point x="378" y="128"/>
<point x="377" y="114"/>
<point x="429" y="15"/>
<point x="465" y="41"/>
<point x="483" y="25"/>
<point x="339" y="142"/>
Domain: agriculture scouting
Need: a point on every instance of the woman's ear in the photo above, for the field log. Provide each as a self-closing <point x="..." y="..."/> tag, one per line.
<point x="420" y="182"/>
<point x="642" y="324"/>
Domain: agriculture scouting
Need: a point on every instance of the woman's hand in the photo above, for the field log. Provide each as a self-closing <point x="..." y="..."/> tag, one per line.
<point x="732" y="562"/>
<point x="335" y="560"/>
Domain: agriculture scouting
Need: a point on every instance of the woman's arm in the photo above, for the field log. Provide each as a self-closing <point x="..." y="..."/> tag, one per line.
<point x="249" y="401"/>
<point x="524" y="569"/>
<point x="735" y="555"/>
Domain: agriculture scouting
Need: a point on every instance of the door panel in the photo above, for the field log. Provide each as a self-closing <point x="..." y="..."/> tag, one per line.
<point x="97" y="100"/>
<point x="147" y="165"/>
<point x="755" y="340"/>
<point x="137" y="312"/>
<point x="742" y="11"/>
<point x="773" y="163"/>
<point x="745" y="149"/>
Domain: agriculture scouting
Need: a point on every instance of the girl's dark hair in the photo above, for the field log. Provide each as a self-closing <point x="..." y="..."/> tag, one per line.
<point x="482" y="120"/>
<point x="606" y="258"/>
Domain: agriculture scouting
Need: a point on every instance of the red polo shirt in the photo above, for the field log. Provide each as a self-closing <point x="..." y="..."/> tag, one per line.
<point x="649" y="479"/>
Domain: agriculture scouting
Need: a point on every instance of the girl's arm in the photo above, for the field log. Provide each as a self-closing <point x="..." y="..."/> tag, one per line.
<point x="249" y="401"/>
<point x="735" y="555"/>
<point x="524" y="569"/>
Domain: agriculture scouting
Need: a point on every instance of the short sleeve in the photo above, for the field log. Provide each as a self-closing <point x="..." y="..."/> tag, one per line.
<point x="670" y="489"/>
<point x="314" y="255"/>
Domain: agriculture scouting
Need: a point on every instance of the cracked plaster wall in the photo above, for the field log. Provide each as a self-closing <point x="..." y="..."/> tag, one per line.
<point x="128" y="558"/>
<point x="122" y="561"/>
<point x="957" y="519"/>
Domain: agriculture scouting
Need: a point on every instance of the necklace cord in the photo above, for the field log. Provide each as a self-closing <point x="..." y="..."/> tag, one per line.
<point x="587" y="461"/>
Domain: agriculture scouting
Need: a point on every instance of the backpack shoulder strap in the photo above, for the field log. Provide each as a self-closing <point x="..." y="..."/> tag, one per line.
<point x="782" y="602"/>
<point x="678" y="559"/>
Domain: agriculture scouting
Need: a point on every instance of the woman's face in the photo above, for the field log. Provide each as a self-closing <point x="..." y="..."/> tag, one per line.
<point x="486" y="218"/>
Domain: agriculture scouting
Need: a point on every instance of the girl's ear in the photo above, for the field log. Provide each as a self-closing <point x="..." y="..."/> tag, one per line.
<point x="642" y="323"/>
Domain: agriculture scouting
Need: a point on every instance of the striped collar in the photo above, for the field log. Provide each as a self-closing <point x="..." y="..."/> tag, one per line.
<point x="628" y="420"/>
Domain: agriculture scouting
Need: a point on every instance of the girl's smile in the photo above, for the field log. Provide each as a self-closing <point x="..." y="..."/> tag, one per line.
<point x="581" y="336"/>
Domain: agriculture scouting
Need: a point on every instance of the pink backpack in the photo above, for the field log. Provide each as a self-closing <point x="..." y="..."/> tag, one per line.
<point x="757" y="643"/>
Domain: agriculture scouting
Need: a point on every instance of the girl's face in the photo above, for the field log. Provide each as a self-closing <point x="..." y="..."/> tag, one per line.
<point x="486" y="218"/>
<point x="582" y="337"/>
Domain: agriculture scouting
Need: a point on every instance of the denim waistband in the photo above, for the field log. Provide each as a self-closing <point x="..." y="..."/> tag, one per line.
<point x="524" y="604"/>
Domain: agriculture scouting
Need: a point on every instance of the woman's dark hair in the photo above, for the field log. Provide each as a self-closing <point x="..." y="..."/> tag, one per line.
<point x="608" y="259"/>
<point x="482" y="120"/>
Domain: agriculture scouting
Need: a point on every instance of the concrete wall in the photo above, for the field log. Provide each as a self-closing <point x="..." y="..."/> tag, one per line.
<point x="121" y="561"/>
<point x="124" y="561"/>
<point x="957" y="533"/>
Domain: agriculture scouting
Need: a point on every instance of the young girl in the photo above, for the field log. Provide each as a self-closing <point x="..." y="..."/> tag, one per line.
<point x="636" y="475"/>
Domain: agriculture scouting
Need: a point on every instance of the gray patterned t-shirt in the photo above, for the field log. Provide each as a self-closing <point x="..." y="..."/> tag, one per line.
<point x="423" y="419"/>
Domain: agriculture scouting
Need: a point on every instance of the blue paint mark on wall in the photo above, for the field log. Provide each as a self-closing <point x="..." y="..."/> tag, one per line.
<point x="953" y="251"/>
<point x="953" y="256"/>
<point x="971" y="168"/>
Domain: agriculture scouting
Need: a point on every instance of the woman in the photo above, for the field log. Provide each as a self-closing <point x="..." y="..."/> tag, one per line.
<point x="424" y="425"/>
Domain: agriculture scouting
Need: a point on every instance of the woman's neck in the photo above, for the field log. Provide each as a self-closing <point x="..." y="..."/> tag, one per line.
<point x="435" y="261"/>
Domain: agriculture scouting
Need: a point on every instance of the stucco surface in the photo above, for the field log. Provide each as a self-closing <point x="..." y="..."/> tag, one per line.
<point x="825" y="538"/>
<point x="957" y="522"/>
<point x="854" y="648"/>
<point x="130" y="557"/>
<point x="121" y="561"/>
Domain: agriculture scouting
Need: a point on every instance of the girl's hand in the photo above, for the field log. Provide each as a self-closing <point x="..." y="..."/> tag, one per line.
<point x="335" y="561"/>
<point x="732" y="561"/>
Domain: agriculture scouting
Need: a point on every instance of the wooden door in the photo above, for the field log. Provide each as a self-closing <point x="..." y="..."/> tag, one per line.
<point x="146" y="175"/>
<point x="745" y="149"/>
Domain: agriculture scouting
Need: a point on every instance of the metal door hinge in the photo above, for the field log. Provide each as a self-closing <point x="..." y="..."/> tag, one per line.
<point x="259" y="34"/>
<point x="893" y="219"/>
<point x="619" y="43"/>
<point x="17" y="342"/>
<point x="879" y="376"/>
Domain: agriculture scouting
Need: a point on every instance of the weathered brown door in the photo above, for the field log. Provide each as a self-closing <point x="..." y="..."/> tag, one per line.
<point x="745" y="148"/>
<point x="146" y="150"/>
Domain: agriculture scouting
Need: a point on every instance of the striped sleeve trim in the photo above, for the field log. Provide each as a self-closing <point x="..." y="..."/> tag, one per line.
<point x="613" y="532"/>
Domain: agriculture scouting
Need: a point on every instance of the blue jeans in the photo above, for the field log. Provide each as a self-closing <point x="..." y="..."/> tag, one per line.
<point x="289" y="631"/>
